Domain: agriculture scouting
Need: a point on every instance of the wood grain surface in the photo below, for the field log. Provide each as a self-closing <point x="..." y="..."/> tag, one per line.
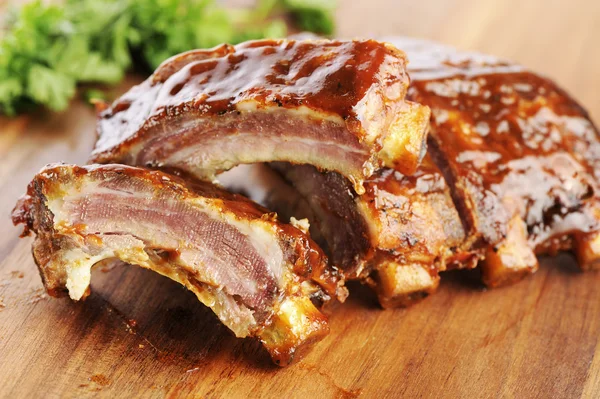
<point x="141" y="335"/>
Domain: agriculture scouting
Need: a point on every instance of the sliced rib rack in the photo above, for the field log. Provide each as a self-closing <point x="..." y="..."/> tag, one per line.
<point x="397" y="236"/>
<point x="521" y="157"/>
<point x="337" y="105"/>
<point x="262" y="278"/>
<point x="512" y="173"/>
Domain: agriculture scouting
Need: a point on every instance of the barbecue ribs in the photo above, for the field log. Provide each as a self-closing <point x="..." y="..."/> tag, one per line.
<point x="338" y="105"/>
<point x="522" y="158"/>
<point x="397" y="236"/>
<point x="518" y="157"/>
<point x="262" y="278"/>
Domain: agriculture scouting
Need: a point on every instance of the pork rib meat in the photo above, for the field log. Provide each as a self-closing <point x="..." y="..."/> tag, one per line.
<point x="397" y="236"/>
<point x="262" y="278"/>
<point x="521" y="157"/>
<point x="337" y="105"/>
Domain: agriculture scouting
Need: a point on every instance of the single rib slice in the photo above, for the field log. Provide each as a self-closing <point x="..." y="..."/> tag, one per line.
<point x="259" y="276"/>
<point x="397" y="236"/>
<point x="338" y="105"/>
<point x="520" y="155"/>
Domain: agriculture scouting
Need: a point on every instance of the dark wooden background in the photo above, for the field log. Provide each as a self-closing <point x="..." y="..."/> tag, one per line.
<point x="140" y="334"/>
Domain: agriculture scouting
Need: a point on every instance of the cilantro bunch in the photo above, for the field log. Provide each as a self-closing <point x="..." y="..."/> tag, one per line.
<point x="46" y="50"/>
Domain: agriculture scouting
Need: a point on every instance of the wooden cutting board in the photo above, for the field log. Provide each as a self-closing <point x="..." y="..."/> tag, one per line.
<point x="140" y="334"/>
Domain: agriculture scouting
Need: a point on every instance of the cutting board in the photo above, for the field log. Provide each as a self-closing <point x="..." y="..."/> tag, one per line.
<point x="140" y="334"/>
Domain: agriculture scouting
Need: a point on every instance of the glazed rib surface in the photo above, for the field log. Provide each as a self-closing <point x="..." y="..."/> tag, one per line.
<point x="338" y="105"/>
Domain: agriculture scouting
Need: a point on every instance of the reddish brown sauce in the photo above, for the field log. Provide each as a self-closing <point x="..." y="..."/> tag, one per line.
<point x="324" y="75"/>
<point x="100" y="379"/>
<point x="331" y="77"/>
<point x="410" y="219"/>
<point x="509" y="141"/>
<point x="417" y="219"/>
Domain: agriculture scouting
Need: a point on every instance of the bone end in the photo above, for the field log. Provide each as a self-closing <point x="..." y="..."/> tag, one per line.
<point x="400" y="285"/>
<point x="587" y="251"/>
<point x="511" y="259"/>
<point x="296" y="327"/>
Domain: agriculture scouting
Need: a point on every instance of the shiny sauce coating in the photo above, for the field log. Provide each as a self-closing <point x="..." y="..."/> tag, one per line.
<point x="509" y="141"/>
<point x="416" y="218"/>
<point x="335" y="78"/>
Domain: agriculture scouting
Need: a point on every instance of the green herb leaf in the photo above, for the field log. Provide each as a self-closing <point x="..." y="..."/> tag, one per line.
<point x="50" y="87"/>
<point x="313" y="15"/>
<point x="45" y="50"/>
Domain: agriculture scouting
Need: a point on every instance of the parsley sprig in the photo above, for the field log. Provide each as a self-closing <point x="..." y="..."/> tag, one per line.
<point x="47" y="50"/>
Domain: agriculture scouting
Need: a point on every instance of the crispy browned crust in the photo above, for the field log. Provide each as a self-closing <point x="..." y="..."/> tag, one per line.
<point x="279" y="335"/>
<point x="348" y="92"/>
